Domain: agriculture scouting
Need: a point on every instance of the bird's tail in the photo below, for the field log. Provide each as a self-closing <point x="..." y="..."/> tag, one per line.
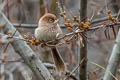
<point x="58" y="61"/>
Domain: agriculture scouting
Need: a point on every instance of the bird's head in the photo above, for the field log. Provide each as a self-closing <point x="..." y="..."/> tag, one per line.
<point x="49" y="19"/>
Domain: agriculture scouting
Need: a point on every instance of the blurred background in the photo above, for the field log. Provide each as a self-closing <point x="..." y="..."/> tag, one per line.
<point x="30" y="11"/>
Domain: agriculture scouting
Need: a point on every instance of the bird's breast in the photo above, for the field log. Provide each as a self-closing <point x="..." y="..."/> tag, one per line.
<point x="45" y="33"/>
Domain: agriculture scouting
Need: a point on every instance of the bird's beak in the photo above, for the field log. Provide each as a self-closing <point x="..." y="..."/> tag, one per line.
<point x="56" y="21"/>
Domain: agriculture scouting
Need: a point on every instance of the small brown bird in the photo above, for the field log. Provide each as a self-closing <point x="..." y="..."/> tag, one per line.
<point x="49" y="30"/>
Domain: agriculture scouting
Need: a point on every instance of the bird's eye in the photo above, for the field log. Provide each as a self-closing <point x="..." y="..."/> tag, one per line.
<point x="51" y="20"/>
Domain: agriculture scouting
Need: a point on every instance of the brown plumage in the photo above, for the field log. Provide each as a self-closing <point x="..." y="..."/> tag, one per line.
<point x="48" y="30"/>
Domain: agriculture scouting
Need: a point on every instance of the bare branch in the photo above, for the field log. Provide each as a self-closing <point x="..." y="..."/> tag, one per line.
<point x="83" y="49"/>
<point x="114" y="60"/>
<point x="62" y="26"/>
<point x="74" y="69"/>
<point x="26" y="52"/>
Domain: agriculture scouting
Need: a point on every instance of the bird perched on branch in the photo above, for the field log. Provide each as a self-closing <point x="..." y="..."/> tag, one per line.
<point x="49" y="30"/>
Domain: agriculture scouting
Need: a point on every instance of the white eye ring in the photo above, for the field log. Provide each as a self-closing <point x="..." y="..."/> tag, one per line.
<point x="51" y="20"/>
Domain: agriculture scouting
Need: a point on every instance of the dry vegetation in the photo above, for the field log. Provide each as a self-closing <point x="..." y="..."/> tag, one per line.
<point x="95" y="34"/>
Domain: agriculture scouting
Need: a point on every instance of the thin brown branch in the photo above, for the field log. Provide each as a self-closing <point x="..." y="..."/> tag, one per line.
<point x="9" y="42"/>
<point x="14" y="38"/>
<point x="83" y="49"/>
<point x="62" y="26"/>
<point x="74" y="69"/>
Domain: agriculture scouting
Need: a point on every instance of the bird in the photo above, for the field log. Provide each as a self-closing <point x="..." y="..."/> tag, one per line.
<point x="48" y="29"/>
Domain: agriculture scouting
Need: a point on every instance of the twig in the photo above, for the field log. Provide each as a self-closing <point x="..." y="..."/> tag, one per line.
<point x="8" y="10"/>
<point x="102" y="19"/>
<point x="9" y="42"/>
<point x="114" y="60"/>
<point x="74" y="69"/>
<point x="45" y="5"/>
<point x="104" y="70"/>
<point x="61" y="4"/>
<point x="6" y="47"/>
<point x="68" y="34"/>
<point x="118" y="15"/>
<point x="62" y="26"/>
